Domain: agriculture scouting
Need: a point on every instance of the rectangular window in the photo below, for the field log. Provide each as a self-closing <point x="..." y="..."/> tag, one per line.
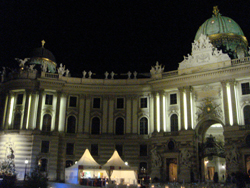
<point x="173" y="98"/>
<point x="48" y="99"/>
<point x="45" y="147"/>
<point x="144" y="102"/>
<point x="72" y="101"/>
<point x="143" y="150"/>
<point x="19" y="99"/>
<point x="120" y="103"/>
<point x="245" y="88"/>
<point x="119" y="149"/>
<point x="94" y="149"/>
<point x="70" y="149"/>
<point x="96" y="103"/>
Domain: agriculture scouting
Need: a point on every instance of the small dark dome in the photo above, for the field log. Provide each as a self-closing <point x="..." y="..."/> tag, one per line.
<point x="42" y="53"/>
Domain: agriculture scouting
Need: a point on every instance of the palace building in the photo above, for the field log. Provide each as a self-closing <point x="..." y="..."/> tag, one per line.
<point x="174" y="126"/>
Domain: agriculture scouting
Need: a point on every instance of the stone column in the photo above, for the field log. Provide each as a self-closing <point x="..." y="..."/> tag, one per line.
<point x="87" y="122"/>
<point x="6" y="107"/>
<point x="189" y="108"/>
<point x="225" y="103"/>
<point x="151" y="113"/>
<point x="105" y="114"/>
<point x="81" y="108"/>
<point x="58" y="105"/>
<point x="182" y="110"/>
<point x="39" y="111"/>
<point x="233" y="101"/>
<point x="135" y="115"/>
<point x="8" y="110"/>
<point x="162" y="110"/>
<point x="111" y="114"/>
<point x="33" y="111"/>
<point x="26" y="109"/>
<point x="129" y="114"/>
<point x="156" y="115"/>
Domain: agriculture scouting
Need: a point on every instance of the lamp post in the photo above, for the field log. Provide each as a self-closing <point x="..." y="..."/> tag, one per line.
<point x="26" y="163"/>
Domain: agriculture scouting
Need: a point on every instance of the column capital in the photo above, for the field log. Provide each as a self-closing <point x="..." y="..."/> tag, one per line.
<point x="182" y="89"/>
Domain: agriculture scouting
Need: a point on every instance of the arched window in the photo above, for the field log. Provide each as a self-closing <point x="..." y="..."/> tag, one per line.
<point x="174" y="123"/>
<point x="17" y="122"/>
<point x="143" y="126"/>
<point x="69" y="163"/>
<point x="95" y="127"/>
<point x="247" y="115"/>
<point x="42" y="163"/>
<point x="46" y="122"/>
<point x="71" y="124"/>
<point x="119" y="126"/>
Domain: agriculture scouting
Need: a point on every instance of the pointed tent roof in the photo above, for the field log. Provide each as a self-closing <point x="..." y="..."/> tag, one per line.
<point x="116" y="162"/>
<point x="86" y="160"/>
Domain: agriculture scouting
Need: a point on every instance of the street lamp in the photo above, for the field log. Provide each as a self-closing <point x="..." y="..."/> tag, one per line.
<point x="26" y="163"/>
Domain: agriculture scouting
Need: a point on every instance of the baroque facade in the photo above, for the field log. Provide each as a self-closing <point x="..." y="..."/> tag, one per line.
<point x="191" y="122"/>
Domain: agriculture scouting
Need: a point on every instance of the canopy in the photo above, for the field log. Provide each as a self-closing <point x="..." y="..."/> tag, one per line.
<point x="86" y="164"/>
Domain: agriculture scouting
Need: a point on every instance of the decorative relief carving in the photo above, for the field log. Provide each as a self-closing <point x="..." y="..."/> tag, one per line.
<point x="208" y="108"/>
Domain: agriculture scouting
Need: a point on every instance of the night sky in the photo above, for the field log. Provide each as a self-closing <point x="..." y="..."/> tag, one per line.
<point x="119" y="36"/>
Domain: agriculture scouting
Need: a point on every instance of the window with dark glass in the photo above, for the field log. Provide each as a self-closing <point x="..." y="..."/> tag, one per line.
<point x="246" y="112"/>
<point x="46" y="122"/>
<point x="173" y="98"/>
<point x="17" y="122"/>
<point x="174" y="123"/>
<point x="245" y="88"/>
<point x="120" y="103"/>
<point x="119" y="126"/>
<point x="72" y="101"/>
<point x="143" y="150"/>
<point x="96" y="103"/>
<point x="119" y="149"/>
<point x="69" y="148"/>
<point x="144" y="102"/>
<point x="42" y="163"/>
<point x="19" y="99"/>
<point x="95" y="127"/>
<point x="94" y="149"/>
<point x="143" y="126"/>
<point x="48" y="99"/>
<point x="71" y="124"/>
<point x="45" y="147"/>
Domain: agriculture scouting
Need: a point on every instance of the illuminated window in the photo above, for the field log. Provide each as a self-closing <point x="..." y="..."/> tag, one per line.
<point x="48" y="99"/>
<point x="96" y="103"/>
<point x="247" y="115"/>
<point x="143" y="126"/>
<point x="143" y="150"/>
<point x="174" y="123"/>
<point x="46" y="122"/>
<point x="45" y="147"/>
<point x="72" y="101"/>
<point x="42" y="163"/>
<point x="119" y="149"/>
<point x="95" y="127"/>
<point x="19" y="99"/>
<point x="245" y="88"/>
<point x="17" y="122"/>
<point x="143" y="167"/>
<point x="69" y="148"/>
<point x="119" y="126"/>
<point x="144" y="102"/>
<point x="94" y="149"/>
<point x="120" y="103"/>
<point x="71" y="124"/>
<point x="173" y="98"/>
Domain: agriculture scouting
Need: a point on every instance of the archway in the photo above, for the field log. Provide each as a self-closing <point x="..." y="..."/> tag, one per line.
<point x="210" y="152"/>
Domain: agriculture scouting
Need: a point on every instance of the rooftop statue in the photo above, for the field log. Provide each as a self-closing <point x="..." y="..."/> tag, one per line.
<point x="61" y="69"/>
<point x="22" y="61"/>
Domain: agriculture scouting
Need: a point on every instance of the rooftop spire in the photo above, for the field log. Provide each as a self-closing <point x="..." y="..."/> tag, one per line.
<point x="43" y="42"/>
<point x="215" y="10"/>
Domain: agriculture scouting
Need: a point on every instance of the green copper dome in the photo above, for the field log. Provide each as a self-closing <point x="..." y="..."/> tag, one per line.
<point x="224" y="33"/>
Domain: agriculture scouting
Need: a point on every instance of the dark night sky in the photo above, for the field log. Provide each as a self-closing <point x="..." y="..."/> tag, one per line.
<point x="119" y="36"/>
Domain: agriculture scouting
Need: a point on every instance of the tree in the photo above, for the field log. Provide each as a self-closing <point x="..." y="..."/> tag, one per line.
<point x="36" y="180"/>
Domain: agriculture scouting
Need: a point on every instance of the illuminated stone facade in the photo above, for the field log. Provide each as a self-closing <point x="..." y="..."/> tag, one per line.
<point x="161" y="124"/>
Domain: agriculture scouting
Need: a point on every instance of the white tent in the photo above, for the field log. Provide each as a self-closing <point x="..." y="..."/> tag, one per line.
<point x="120" y="172"/>
<point x="86" y="167"/>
